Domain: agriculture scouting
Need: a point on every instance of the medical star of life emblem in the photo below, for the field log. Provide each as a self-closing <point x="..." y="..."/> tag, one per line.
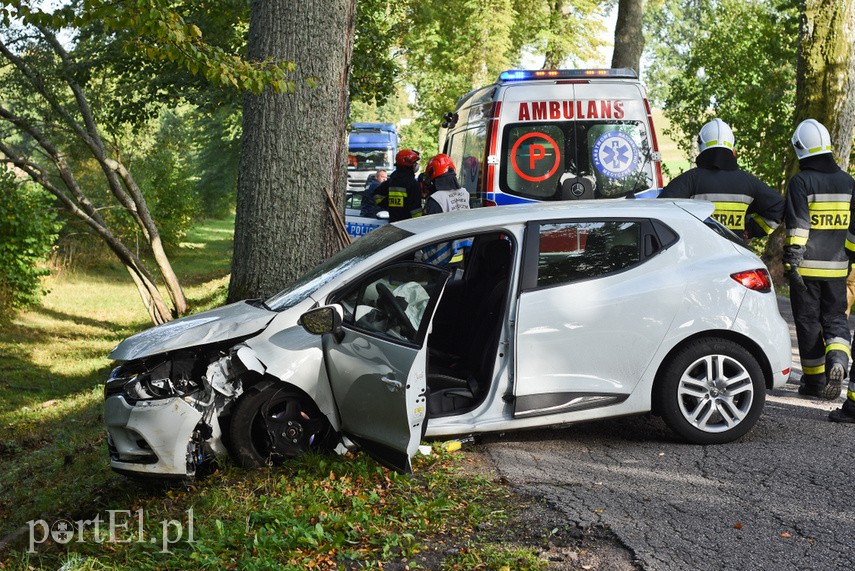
<point x="615" y="154"/>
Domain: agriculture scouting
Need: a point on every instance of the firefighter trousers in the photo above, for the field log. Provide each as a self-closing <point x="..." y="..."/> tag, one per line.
<point x="822" y="330"/>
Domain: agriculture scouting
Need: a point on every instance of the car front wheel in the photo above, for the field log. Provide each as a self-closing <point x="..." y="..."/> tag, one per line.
<point x="271" y="422"/>
<point x="712" y="391"/>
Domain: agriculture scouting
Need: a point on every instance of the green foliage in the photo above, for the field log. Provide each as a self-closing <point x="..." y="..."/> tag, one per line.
<point x="217" y="135"/>
<point x="730" y="59"/>
<point x="27" y="233"/>
<point x="375" y="60"/>
<point x="451" y="47"/>
<point x="162" y="30"/>
<point x="559" y="29"/>
<point x="164" y="171"/>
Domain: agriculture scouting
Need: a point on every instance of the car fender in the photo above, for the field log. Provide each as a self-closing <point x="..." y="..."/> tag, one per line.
<point x="294" y="356"/>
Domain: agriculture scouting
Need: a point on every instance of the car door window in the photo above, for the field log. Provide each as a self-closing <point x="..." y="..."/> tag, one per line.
<point x="392" y="302"/>
<point x="572" y="251"/>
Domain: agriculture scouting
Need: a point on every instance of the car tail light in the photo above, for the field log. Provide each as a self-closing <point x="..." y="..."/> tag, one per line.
<point x="758" y="279"/>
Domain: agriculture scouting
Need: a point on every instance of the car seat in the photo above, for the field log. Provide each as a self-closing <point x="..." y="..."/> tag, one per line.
<point x="459" y="384"/>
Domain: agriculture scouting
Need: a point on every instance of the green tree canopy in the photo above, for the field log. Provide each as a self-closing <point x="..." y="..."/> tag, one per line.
<point x="730" y="59"/>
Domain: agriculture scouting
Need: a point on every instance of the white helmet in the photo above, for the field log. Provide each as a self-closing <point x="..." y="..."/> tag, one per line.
<point x="716" y="133"/>
<point x="811" y="138"/>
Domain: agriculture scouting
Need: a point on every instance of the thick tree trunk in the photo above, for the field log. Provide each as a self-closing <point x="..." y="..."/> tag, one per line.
<point x="629" y="40"/>
<point x="825" y="88"/>
<point x="293" y="146"/>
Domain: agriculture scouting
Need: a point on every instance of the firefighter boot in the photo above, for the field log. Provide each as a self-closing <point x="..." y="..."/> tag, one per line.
<point x="846" y="413"/>
<point x="835" y="381"/>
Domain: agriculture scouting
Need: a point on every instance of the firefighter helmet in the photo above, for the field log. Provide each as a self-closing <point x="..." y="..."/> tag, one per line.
<point x="811" y="138"/>
<point x="439" y="165"/>
<point x="406" y="158"/>
<point x="716" y="133"/>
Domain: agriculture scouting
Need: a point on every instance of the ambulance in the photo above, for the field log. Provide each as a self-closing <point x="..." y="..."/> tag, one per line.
<point x="554" y="135"/>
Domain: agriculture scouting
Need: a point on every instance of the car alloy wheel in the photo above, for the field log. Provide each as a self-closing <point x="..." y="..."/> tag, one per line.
<point x="712" y="391"/>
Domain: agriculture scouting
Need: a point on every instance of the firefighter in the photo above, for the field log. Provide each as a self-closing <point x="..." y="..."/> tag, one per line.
<point x="444" y="195"/>
<point x="400" y="194"/>
<point x="444" y="191"/>
<point x="819" y="218"/>
<point x="743" y="203"/>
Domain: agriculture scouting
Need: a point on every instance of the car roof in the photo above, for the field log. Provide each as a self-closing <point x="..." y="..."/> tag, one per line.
<point x="520" y="213"/>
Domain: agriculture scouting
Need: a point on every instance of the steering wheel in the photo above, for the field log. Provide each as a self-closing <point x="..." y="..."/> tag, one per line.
<point x="395" y="310"/>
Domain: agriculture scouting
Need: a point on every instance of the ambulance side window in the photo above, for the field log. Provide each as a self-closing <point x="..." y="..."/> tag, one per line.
<point x="467" y="149"/>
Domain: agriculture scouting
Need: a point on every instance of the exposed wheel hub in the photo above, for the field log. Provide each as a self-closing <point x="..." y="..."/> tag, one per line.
<point x="293" y="431"/>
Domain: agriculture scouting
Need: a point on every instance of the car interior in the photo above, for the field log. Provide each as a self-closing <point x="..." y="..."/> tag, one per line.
<point x="463" y="344"/>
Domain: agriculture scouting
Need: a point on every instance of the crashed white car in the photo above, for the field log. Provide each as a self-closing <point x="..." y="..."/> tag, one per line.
<point x="559" y="313"/>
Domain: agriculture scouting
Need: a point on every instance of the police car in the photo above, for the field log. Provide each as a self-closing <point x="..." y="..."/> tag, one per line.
<point x="555" y="135"/>
<point x="358" y="225"/>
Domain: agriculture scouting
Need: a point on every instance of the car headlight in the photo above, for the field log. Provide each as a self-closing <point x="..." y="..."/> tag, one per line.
<point x="149" y="384"/>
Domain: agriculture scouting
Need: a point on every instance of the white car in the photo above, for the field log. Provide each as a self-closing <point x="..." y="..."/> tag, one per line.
<point x="560" y="313"/>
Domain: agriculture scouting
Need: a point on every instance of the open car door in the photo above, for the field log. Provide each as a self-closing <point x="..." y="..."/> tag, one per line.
<point x="377" y="359"/>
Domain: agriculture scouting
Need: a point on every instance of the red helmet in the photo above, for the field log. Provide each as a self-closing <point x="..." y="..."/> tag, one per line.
<point x="439" y="165"/>
<point x="406" y="158"/>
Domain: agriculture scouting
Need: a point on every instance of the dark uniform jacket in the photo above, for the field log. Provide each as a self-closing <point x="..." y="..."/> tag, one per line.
<point x="742" y="201"/>
<point x="400" y="195"/>
<point x="819" y="218"/>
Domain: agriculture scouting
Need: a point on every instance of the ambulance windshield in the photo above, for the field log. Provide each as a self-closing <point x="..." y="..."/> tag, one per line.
<point x="573" y="160"/>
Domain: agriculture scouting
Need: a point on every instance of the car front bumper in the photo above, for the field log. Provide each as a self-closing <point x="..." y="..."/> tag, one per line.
<point x="151" y="437"/>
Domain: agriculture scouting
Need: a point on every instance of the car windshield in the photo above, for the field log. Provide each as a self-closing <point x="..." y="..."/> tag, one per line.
<point x="340" y="262"/>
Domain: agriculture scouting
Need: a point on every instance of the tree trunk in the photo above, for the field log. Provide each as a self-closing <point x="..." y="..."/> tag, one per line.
<point x="629" y="39"/>
<point x="825" y="88"/>
<point x="293" y="146"/>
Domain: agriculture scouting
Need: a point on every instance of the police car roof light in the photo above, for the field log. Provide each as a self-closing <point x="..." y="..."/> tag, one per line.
<point x="524" y="74"/>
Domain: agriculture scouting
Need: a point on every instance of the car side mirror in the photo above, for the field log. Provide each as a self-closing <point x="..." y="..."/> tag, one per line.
<point x="383" y="215"/>
<point x="322" y="320"/>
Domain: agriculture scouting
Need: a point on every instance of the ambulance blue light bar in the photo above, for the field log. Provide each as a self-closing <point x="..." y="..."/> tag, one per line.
<point x="524" y="74"/>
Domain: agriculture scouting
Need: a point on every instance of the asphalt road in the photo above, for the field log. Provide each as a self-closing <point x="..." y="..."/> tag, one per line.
<point x="782" y="498"/>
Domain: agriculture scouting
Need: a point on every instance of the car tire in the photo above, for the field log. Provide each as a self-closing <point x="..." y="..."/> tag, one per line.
<point x="711" y="391"/>
<point x="272" y="422"/>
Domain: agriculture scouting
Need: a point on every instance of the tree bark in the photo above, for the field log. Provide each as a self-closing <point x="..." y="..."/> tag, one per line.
<point x="293" y="146"/>
<point x="629" y="39"/>
<point x="825" y="87"/>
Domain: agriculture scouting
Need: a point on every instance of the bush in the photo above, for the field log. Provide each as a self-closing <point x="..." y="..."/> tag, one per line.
<point x="28" y="229"/>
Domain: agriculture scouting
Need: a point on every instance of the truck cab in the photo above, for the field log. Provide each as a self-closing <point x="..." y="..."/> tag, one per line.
<point x="370" y="146"/>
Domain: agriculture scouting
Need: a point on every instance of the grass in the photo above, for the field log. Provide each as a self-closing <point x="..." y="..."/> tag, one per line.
<point x="318" y="512"/>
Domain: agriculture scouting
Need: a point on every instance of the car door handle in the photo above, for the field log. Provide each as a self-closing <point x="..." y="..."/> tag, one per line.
<point x="393" y="384"/>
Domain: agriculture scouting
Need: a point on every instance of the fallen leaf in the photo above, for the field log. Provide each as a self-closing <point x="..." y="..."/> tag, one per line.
<point x="786" y="535"/>
<point x="737" y="526"/>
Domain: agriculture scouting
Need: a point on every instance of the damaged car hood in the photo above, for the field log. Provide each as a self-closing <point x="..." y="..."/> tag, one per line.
<point x="220" y="324"/>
